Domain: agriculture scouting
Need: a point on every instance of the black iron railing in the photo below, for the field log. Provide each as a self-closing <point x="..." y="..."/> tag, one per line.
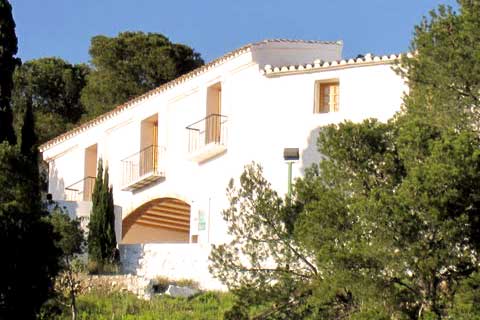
<point x="81" y="190"/>
<point x="146" y="162"/>
<point x="210" y="130"/>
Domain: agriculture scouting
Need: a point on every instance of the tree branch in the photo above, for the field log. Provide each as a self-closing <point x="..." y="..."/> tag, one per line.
<point x="400" y="282"/>
<point x="276" y="270"/>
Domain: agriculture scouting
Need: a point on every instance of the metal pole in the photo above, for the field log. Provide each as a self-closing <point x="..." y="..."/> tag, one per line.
<point x="289" y="179"/>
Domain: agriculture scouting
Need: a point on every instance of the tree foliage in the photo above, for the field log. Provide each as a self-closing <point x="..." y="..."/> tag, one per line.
<point x="445" y="73"/>
<point x="29" y="147"/>
<point x="263" y="264"/>
<point x="29" y="256"/>
<point x="52" y="86"/>
<point x="8" y="62"/>
<point x="391" y="232"/>
<point x="101" y="236"/>
<point x="29" y="141"/>
<point x="71" y="243"/>
<point x="131" y="64"/>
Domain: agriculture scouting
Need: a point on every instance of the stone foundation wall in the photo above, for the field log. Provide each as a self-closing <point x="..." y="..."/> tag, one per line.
<point x="137" y="285"/>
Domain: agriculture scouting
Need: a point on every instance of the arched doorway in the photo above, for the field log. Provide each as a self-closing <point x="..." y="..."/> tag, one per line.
<point x="164" y="220"/>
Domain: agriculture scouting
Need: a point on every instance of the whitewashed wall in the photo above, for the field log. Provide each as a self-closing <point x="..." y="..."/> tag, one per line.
<point x="174" y="261"/>
<point x="265" y="115"/>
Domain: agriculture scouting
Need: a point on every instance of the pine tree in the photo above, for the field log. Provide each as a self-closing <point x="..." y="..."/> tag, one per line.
<point x="263" y="265"/>
<point x="393" y="212"/>
<point x="55" y="85"/>
<point x="101" y="235"/>
<point x="129" y="65"/>
<point x="8" y="49"/>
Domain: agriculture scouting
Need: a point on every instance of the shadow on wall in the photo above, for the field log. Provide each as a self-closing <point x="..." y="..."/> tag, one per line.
<point x="56" y="185"/>
<point x="310" y="155"/>
<point x="69" y="207"/>
<point x="118" y="223"/>
<point x="131" y="256"/>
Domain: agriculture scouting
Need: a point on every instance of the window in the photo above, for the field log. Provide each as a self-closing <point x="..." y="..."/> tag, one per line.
<point x="194" y="238"/>
<point x="327" y="96"/>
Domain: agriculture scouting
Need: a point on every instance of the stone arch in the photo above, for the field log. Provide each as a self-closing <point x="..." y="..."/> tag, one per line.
<point x="161" y="220"/>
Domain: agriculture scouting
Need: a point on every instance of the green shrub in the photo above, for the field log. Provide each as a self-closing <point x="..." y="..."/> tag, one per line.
<point x="95" y="267"/>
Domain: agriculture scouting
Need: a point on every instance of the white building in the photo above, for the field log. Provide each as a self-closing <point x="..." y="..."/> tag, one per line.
<point x="172" y="151"/>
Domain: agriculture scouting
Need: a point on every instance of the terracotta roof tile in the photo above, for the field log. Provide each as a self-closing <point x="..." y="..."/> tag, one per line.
<point x="319" y="65"/>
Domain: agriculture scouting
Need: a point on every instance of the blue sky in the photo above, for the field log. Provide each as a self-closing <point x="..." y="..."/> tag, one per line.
<point x="63" y="28"/>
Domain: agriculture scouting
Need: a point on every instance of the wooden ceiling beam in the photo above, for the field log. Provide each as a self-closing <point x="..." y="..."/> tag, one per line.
<point x="167" y="216"/>
<point x="177" y="212"/>
<point x="173" y="206"/>
<point x="164" y="220"/>
<point x="174" y="210"/>
<point x="176" y="201"/>
<point x="162" y="226"/>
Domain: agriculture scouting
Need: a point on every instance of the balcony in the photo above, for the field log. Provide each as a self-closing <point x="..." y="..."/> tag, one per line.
<point x="143" y="168"/>
<point x="207" y="138"/>
<point x="81" y="190"/>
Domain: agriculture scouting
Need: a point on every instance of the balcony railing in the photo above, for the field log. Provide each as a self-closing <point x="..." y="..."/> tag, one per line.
<point x="143" y="168"/>
<point x="207" y="137"/>
<point x="81" y="190"/>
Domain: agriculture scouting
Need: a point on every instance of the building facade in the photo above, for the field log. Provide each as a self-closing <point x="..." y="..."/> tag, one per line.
<point x="172" y="151"/>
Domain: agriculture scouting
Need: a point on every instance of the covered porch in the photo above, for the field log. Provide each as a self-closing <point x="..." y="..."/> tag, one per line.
<point x="163" y="220"/>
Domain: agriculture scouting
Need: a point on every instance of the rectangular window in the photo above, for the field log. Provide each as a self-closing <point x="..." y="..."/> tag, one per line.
<point x="194" y="238"/>
<point x="327" y="96"/>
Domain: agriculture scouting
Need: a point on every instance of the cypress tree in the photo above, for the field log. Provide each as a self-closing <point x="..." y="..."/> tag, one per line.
<point x="109" y="227"/>
<point x="30" y="259"/>
<point x="101" y="236"/>
<point x="8" y="49"/>
<point x="29" y="147"/>
<point x="29" y="137"/>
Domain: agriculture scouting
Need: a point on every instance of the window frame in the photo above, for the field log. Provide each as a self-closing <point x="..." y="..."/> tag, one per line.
<point x="318" y="101"/>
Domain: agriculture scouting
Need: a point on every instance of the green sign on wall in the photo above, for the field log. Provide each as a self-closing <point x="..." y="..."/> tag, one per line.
<point x="201" y="221"/>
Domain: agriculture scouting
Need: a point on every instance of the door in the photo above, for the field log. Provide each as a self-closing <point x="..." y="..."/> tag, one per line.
<point x="213" y="121"/>
<point x="90" y="172"/>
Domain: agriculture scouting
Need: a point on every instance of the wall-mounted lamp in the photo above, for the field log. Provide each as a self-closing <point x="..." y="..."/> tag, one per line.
<point x="290" y="155"/>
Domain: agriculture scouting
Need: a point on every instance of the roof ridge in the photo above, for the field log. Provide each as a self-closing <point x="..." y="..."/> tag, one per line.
<point x="366" y="59"/>
<point x="280" y="40"/>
